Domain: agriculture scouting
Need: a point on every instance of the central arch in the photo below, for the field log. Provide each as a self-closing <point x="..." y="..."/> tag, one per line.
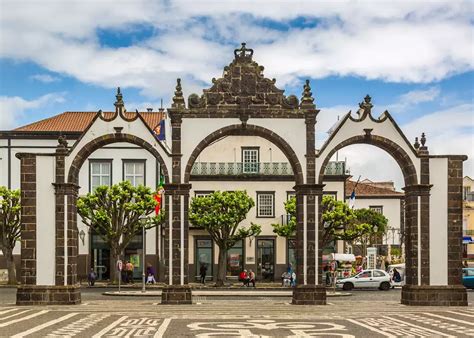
<point x="247" y="130"/>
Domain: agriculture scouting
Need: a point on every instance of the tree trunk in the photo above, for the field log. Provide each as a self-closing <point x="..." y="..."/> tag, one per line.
<point x="222" y="267"/>
<point x="10" y="266"/>
<point x="114" y="274"/>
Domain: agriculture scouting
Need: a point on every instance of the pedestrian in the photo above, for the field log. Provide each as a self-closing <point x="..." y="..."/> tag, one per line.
<point x="244" y="278"/>
<point x="129" y="272"/>
<point x="285" y="279"/>
<point x="125" y="273"/>
<point x="203" y="272"/>
<point x="465" y="265"/>
<point x="91" y="277"/>
<point x="396" y="276"/>
<point x="251" y="278"/>
<point x="293" y="279"/>
<point x="327" y="274"/>
<point x="150" y="270"/>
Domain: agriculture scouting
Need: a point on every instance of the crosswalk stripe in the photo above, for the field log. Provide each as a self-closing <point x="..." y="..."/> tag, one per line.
<point x="6" y="311"/>
<point x="371" y="328"/>
<point x="162" y="329"/>
<point x="23" y="318"/>
<point x="448" y="318"/>
<point x="42" y="326"/>
<point x="462" y="313"/>
<point x="13" y="315"/>
<point x="104" y="330"/>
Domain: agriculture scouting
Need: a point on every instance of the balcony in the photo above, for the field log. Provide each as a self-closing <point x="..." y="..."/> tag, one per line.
<point x="239" y="168"/>
<point x="257" y="169"/>
<point x="335" y="168"/>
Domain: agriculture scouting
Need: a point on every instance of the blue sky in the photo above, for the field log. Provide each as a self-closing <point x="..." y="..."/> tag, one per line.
<point x="414" y="58"/>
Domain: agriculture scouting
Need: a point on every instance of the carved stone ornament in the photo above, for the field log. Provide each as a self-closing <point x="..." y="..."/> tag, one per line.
<point x="243" y="78"/>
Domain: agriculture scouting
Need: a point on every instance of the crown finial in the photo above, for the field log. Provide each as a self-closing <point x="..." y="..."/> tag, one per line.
<point x="366" y="106"/>
<point x="178" y="98"/>
<point x="119" y="102"/>
<point x="416" y="144"/>
<point x="307" y="95"/>
<point x="243" y="54"/>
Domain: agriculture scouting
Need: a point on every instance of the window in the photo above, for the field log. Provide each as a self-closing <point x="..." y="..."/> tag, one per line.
<point x="250" y="160"/>
<point x="466" y="191"/>
<point x="202" y="193"/>
<point x="378" y="273"/>
<point x="235" y="259"/>
<point x="290" y="195"/>
<point x="291" y="259"/>
<point x="332" y="194"/>
<point x="203" y="256"/>
<point x="134" y="172"/>
<point x="365" y="274"/>
<point x="265" y="204"/>
<point x="100" y="173"/>
<point x="377" y="208"/>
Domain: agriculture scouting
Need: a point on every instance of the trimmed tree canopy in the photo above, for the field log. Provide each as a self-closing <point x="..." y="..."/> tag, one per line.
<point x="10" y="227"/>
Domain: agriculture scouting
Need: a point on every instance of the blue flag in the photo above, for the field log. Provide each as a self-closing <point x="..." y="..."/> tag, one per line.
<point x="160" y="131"/>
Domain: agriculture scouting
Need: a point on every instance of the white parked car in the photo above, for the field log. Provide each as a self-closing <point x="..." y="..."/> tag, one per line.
<point x="366" y="279"/>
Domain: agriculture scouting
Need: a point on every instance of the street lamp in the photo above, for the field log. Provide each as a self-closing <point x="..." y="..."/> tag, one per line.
<point x="143" y="220"/>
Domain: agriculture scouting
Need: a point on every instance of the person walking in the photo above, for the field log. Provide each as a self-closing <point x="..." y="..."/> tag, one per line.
<point x="203" y="272"/>
<point x="150" y="272"/>
<point x="91" y="277"/>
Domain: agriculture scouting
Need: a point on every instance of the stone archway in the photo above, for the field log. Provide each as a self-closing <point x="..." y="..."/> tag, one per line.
<point x="89" y="148"/>
<point x="248" y="130"/>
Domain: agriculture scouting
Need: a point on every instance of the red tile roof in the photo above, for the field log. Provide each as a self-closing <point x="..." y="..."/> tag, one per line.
<point x="364" y="189"/>
<point x="79" y="121"/>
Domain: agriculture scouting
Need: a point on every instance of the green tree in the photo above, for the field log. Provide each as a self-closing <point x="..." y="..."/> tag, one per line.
<point x="118" y="213"/>
<point x="220" y="213"/>
<point x="339" y="220"/>
<point x="375" y="225"/>
<point x="10" y="227"/>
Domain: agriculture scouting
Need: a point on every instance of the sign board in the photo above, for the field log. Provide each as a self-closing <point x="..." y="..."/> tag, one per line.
<point x="250" y="259"/>
<point x="119" y="265"/>
<point x="371" y="258"/>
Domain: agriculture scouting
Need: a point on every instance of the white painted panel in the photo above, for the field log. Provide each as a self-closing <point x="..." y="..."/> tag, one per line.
<point x="45" y="221"/>
<point x="439" y="221"/>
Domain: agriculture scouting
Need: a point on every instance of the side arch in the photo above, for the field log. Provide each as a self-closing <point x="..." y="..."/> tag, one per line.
<point x="399" y="155"/>
<point x="89" y="148"/>
<point x="247" y="130"/>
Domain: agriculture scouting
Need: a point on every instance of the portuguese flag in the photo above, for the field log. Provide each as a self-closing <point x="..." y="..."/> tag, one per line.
<point x="159" y="194"/>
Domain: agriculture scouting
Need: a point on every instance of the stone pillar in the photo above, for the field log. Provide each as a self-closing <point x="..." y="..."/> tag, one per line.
<point x="65" y="290"/>
<point x="309" y="290"/>
<point x="419" y="290"/>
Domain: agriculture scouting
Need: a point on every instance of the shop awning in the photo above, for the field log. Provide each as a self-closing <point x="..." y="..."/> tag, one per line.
<point x="467" y="240"/>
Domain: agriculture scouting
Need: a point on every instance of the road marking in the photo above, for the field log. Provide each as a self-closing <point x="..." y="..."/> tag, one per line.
<point x="23" y="318"/>
<point x="371" y="328"/>
<point x="419" y="327"/>
<point x="449" y="318"/>
<point x="462" y="313"/>
<point x="104" y="330"/>
<point x="6" y="311"/>
<point x="42" y="326"/>
<point x="162" y="329"/>
<point x="13" y="315"/>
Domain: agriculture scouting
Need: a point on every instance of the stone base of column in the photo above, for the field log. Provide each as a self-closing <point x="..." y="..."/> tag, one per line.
<point x="48" y="295"/>
<point x="434" y="295"/>
<point x="309" y="295"/>
<point x="176" y="295"/>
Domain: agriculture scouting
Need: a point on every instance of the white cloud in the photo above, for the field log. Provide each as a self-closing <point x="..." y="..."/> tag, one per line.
<point x="45" y="78"/>
<point x="13" y="107"/>
<point x="410" y="41"/>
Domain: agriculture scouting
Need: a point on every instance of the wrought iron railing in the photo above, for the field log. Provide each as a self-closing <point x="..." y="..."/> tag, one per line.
<point x="335" y="168"/>
<point x="239" y="168"/>
<point x="257" y="168"/>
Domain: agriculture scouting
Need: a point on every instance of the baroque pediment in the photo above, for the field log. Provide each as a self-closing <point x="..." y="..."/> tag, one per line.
<point x="243" y="84"/>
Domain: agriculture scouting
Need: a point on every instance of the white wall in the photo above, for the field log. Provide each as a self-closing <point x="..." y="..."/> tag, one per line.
<point x="45" y="226"/>
<point x="391" y="210"/>
<point x="439" y="221"/>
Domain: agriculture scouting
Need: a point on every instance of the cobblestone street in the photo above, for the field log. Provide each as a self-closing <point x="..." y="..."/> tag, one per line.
<point x="364" y="314"/>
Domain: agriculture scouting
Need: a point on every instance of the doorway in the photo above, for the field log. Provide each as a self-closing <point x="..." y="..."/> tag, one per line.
<point x="266" y="259"/>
